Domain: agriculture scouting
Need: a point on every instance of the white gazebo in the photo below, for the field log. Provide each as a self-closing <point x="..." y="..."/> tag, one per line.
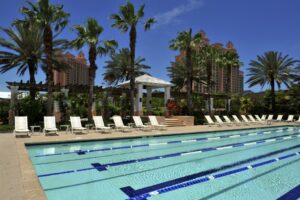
<point x="149" y="83"/>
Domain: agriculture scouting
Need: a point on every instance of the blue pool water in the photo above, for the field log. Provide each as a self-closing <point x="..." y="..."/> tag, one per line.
<point x="243" y="164"/>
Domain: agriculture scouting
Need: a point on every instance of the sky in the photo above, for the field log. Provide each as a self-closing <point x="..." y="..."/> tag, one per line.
<point x="254" y="26"/>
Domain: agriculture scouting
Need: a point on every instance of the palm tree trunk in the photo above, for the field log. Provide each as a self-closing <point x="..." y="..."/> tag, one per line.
<point x="131" y="74"/>
<point x="228" y="86"/>
<point x="48" y="38"/>
<point x="208" y="71"/>
<point x="273" y="104"/>
<point x="31" y="67"/>
<point x="92" y="75"/>
<point x="189" y="69"/>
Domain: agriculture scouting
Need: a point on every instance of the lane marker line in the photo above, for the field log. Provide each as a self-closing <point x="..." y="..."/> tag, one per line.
<point x="165" y="143"/>
<point x="212" y="177"/>
<point x="236" y="145"/>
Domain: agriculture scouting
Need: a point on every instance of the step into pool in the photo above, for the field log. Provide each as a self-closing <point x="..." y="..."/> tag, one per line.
<point x="240" y="164"/>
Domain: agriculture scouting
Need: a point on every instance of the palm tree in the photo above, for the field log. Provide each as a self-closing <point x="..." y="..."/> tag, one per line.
<point x="246" y="105"/>
<point x="210" y="55"/>
<point x="128" y="19"/>
<point x="52" y="19"/>
<point x="229" y="59"/>
<point x="186" y="42"/>
<point x="177" y="73"/>
<point x="23" y="51"/>
<point x="117" y="69"/>
<point x="272" y="68"/>
<point x="88" y="35"/>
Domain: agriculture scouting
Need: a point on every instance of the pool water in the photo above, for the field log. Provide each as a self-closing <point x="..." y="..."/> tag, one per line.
<point x="242" y="164"/>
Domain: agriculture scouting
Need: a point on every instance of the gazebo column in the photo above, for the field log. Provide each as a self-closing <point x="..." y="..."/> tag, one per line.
<point x="56" y="110"/>
<point x="139" y="100"/>
<point x="211" y="103"/>
<point x="122" y="102"/>
<point x="228" y="103"/>
<point x="149" y="100"/>
<point x="167" y="97"/>
<point x="13" y="102"/>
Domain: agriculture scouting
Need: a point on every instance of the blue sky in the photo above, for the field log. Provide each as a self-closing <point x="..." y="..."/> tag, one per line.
<point x="254" y="26"/>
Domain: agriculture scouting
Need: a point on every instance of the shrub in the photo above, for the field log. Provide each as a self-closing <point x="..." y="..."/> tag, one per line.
<point x="34" y="109"/>
<point x="4" y="109"/>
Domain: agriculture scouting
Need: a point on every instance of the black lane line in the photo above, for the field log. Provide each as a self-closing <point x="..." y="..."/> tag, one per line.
<point x="133" y="193"/>
<point x="181" y="145"/>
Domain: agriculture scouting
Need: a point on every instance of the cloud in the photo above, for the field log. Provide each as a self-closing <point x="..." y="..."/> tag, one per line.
<point x="172" y="15"/>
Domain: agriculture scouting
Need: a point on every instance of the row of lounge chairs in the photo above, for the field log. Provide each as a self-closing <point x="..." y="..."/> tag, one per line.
<point x="21" y="125"/>
<point x="246" y="120"/>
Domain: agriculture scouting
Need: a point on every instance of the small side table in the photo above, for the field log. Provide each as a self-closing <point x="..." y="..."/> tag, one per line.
<point x="131" y="125"/>
<point x="66" y="127"/>
<point x="35" y="127"/>
<point x="111" y="125"/>
<point x="89" y="127"/>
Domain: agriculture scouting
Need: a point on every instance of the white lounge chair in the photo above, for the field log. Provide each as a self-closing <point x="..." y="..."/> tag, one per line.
<point x="76" y="125"/>
<point x="238" y="121"/>
<point x="279" y="118"/>
<point x="264" y="117"/>
<point x="270" y="118"/>
<point x="253" y="120"/>
<point x="245" y="119"/>
<point x="209" y="120"/>
<point x="258" y="118"/>
<point x="49" y="125"/>
<point x="227" y="120"/>
<point x="298" y="121"/>
<point x="119" y="125"/>
<point x="154" y="123"/>
<point x="220" y="121"/>
<point x="139" y="124"/>
<point x="21" y="126"/>
<point x="99" y="124"/>
<point x="290" y="118"/>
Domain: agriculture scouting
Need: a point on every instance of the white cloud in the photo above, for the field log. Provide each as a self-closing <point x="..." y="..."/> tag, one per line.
<point x="173" y="14"/>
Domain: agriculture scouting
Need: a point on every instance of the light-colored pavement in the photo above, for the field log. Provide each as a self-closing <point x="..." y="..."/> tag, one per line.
<point x="17" y="176"/>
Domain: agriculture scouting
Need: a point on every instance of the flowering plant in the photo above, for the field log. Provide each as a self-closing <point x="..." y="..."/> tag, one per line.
<point x="171" y="106"/>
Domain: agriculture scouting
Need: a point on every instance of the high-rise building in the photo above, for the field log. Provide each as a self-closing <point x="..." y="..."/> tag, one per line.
<point x="76" y="74"/>
<point x="219" y="79"/>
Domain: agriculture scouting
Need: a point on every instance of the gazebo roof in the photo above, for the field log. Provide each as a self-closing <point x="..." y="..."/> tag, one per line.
<point x="148" y="81"/>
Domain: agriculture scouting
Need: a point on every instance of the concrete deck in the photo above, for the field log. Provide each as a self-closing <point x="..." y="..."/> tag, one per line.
<point x="17" y="176"/>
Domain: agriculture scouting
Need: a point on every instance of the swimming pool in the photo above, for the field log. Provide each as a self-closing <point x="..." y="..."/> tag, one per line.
<point x="243" y="164"/>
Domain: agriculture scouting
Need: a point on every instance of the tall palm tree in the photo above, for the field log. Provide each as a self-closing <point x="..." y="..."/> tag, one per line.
<point x="186" y="42"/>
<point x="88" y="35"/>
<point x="52" y="19"/>
<point x="117" y="69"/>
<point x="128" y="19"/>
<point x="229" y="59"/>
<point x="210" y="55"/>
<point x="23" y="51"/>
<point x="272" y="68"/>
<point x="177" y="73"/>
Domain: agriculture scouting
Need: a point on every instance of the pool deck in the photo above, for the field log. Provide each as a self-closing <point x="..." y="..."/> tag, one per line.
<point x="17" y="176"/>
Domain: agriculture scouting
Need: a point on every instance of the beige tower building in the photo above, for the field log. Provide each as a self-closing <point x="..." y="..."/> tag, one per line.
<point x="219" y="79"/>
<point x="77" y="74"/>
